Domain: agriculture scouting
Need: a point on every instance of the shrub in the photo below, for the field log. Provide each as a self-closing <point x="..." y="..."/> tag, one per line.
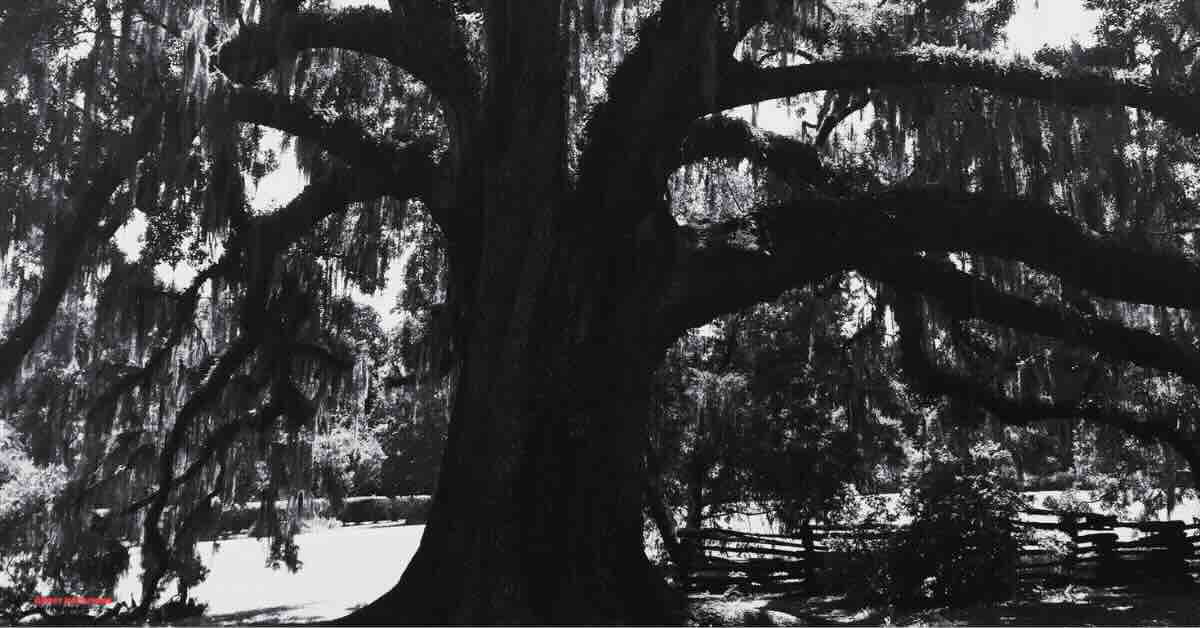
<point x="238" y="518"/>
<point x="857" y="565"/>
<point x="412" y="508"/>
<point x="857" y="562"/>
<point x="351" y="458"/>
<point x="1069" y="501"/>
<point x="27" y="491"/>
<point x="368" y="508"/>
<point x="960" y="547"/>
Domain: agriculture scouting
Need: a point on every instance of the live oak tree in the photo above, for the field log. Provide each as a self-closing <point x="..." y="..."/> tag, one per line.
<point x="1053" y="198"/>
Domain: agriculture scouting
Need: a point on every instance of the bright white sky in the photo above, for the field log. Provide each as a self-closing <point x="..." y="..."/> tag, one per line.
<point x="1053" y="22"/>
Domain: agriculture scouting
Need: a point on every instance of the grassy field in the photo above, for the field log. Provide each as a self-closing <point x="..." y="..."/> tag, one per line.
<point x="343" y="568"/>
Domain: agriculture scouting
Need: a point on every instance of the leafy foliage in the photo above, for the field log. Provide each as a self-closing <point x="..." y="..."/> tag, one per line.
<point x="262" y="380"/>
<point x="960" y="547"/>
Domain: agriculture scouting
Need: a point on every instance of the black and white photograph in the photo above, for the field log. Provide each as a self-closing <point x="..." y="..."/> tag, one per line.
<point x="600" y="312"/>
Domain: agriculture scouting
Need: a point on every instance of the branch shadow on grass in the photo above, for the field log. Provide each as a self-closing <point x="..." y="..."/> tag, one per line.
<point x="289" y="615"/>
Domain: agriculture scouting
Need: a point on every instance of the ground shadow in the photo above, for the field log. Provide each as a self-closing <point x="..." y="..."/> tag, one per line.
<point x="269" y="615"/>
<point x="1074" y="605"/>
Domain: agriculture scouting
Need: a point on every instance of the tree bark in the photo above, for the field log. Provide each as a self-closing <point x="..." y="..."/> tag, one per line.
<point x="538" y="513"/>
<point x="537" y="517"/>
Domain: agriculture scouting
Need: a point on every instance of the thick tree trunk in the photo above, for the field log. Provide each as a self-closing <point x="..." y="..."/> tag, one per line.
<point x="538" y="513"/>
<point x="656" y="508"/>
<point x="537" y="516"/>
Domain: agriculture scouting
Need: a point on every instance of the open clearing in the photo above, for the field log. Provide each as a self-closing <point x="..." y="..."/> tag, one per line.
<point x="343" y="568"/>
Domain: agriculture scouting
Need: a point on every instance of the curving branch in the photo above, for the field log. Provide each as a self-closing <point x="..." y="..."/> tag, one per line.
<point x="723" y="137"/>
<point x="422" y="38"/>
<point x="406" y="169"/>
<point x="744" y="83"/>
<point x="218" y="442"/>
<point x="931" y="379"/>
<point x="846" y="104"/>
<point x="267" y="236"/>
<point x="663" y="84"/>
<point x="333" y="193"/>
<point x="99" y="414"/>
<point x="74" y="242"/>
<point x="204" y="397"/>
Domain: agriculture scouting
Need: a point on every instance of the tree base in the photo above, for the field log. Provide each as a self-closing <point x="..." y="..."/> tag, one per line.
<point x="426" y="595"/>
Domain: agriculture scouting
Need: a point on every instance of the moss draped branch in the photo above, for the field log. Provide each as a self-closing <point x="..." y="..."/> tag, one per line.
<point x="266" y="238"/>
<point x="723" y="137"/>
<point x="966" y="296"/>
<point x="422" y="38"/>
<point x="407" y="169"/>
<point x="204" y="397"/>
<point x="744" y="83"/>
<point x="75" y="240"/>
<point x="659" y="88"/>
<point x="727" y="266"/>
<point x="933" y="380"/>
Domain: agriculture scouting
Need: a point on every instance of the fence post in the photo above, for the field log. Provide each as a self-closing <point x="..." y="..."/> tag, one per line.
<point x="1014" y="557"/>
<point x="690" y="548"/>
<point x="809" y="555"/>
<point x="1108" y="569"/>
<point x="1071" y="527"/>
<point x="1179" y="549"/>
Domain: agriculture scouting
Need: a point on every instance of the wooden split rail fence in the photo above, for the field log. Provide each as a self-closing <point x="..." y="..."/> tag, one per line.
<point x="1102" y="550"/>
<point x="718" y="559"/>
<point x="1091" y="548"/>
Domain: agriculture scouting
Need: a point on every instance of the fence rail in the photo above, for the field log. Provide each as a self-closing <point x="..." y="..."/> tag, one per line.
<point x="1100" y="549"/>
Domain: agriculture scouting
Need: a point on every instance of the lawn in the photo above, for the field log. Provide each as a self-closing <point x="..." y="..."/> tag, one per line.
<point x="343" y="568"/>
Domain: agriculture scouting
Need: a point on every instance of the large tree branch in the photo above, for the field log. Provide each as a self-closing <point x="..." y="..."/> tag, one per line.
<point x="931" y="379"/>
<point x="267" y="235"/>
<point x="406" y="169"/>
<point x="332" y="194"/>
<point x="1042" y="236"/>
<point x="659" y="88"/>
<point x="218" y="442"/>
<point x="969" y="297"/>
<point x="744" y="83"/>
<point x="846" y="104"/>
<point x="99" y="415"/>
<point x="264" y="321"/>
<point x="207" y="394"/>
<point x="421" y="37"/>
<point x="269" y="322"/>
<point x="789" y="244"/>
<point x="73" y="243"/>
<point x="723" y="137"/>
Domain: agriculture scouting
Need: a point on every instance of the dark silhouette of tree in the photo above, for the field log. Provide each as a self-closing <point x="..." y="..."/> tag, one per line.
<point x="541" y="139"/>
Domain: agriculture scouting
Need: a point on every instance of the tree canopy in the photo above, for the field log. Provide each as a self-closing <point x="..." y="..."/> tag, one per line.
<point x="571" y="186"/>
